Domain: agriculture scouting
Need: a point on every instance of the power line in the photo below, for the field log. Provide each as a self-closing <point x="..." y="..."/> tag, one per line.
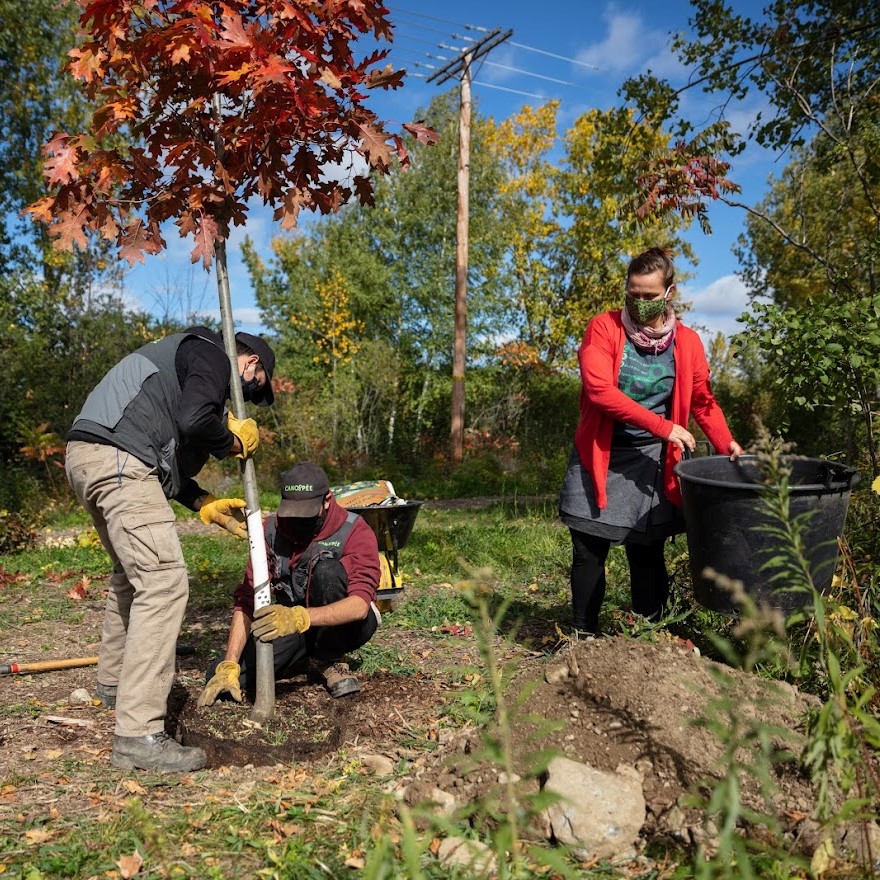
<point x="418" y="40"/>
<point x="398" y="11"/>
<point x="554" y="55"/>
<point x="561" y="82"/>
<point x="470" y="55"/>
<point x="486" y="85"/>
<point x="425" y="27"/>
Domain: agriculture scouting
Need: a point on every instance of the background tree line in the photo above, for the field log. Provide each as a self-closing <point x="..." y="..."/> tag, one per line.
<point x="359" y="303"/>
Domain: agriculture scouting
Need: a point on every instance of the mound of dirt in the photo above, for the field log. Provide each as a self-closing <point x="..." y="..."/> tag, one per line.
<point x="619" y="701"/>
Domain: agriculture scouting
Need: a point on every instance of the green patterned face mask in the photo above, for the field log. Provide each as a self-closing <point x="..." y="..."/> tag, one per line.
<point x="642" y="311"/>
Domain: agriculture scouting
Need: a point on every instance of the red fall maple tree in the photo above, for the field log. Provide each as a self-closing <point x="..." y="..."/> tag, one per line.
<point x="201" y="106"/>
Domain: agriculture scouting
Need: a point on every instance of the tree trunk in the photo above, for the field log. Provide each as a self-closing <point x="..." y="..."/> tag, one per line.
<point x="264" y="706"/>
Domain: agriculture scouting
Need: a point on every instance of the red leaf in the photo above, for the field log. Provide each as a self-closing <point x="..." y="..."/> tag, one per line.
<point x="421" y="132"/>
<point x="68" y="228"/>
<point x="363" y="186"/>
<point x="402" y="152"/>
<point x="42" y="209"/>
<point x="78" y="591"/>
<point x="231" y="76"/>
<point x="205" y="236"/>
<point x="137" y="241"/>
<point x="61" y="164"/>
<point x="233" y="35"/>
<point x="273" y="70"/>
<point x="291" y="203"/>
<point x="387" y="78"/>
<point x="374" y="146"/>
<point x="86" y="64"/>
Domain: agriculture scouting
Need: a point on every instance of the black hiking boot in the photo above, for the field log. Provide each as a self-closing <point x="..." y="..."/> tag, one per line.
<point x="156" y="752"/>
<point x="106" y="693"/>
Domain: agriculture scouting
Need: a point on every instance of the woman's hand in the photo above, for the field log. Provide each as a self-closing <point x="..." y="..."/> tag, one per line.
<point x="682" y="438"/>
<point x="735" y="450"/>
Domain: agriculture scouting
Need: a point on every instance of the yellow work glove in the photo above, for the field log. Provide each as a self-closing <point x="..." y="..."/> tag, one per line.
<point x="228" y="513"/>
<point x="225" y="679"/>
<point x="273" y="621"/>
<point x="247" y="432"/>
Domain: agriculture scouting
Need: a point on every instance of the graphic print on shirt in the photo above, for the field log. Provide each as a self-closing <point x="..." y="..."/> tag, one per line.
<point x="645" y="379"/>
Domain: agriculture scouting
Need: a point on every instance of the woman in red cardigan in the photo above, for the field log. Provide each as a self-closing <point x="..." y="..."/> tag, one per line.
<point x="643" y="374"/>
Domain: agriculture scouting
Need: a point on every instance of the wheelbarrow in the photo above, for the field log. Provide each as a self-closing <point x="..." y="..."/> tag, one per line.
<point x="392" y="525"/>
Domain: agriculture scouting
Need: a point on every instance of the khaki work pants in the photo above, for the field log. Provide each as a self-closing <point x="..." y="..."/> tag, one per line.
<point x="148" y="589"/>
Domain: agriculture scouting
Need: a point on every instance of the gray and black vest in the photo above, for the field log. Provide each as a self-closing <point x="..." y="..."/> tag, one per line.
<point x="293" y="583"/>
<point x="134" y="407"/>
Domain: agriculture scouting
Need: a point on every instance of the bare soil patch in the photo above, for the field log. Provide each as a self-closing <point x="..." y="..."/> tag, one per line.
<point x="308" y="723"/>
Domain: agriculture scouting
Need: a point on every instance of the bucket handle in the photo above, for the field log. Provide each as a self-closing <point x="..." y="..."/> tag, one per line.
<point x="832" y="472"/>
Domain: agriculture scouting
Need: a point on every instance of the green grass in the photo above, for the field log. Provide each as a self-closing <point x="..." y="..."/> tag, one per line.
<point x="518" y="545"/>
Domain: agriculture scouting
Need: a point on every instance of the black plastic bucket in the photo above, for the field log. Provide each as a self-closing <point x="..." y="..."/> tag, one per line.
<point x="724" y="512"/>
<point x="392" y="524"/>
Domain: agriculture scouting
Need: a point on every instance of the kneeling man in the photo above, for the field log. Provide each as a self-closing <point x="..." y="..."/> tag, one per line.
<point x="324" y="571"/>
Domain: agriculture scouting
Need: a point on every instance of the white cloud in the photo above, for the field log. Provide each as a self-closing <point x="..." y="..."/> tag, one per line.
<point x="716" y="306"/>
<point x="627" y="44"/>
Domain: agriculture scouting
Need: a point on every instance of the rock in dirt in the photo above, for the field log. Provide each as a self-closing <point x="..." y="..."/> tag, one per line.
<point x="599" y="814"/>
<point x="80" y="696"/>
<point x="435" y="799"/>
<point x="458" y="852"/>
<point x="378" y="765"/>
<point x="555" y="674"/>
<point x="862" y="840"/>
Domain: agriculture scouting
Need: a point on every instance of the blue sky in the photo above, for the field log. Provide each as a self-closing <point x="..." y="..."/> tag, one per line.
<point x="599" y="44"/>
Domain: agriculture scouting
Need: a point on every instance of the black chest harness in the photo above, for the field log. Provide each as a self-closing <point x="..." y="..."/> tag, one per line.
<point x="292" y="585"/>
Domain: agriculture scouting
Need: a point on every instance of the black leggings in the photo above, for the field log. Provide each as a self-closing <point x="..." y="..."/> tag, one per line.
<point x="647" y="571"/>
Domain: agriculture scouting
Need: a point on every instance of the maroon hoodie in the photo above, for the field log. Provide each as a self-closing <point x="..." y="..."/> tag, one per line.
<point x="360" y="558"/>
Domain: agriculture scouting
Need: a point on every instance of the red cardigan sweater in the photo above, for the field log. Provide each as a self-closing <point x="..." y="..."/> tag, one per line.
<point x="603" y="403"/>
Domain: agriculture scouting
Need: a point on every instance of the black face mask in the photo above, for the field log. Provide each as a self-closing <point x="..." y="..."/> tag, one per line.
<point x="303" y="527"/>
<point x="250" y="389"/>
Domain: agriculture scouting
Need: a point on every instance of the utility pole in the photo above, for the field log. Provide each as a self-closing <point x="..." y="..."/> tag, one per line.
<point x="461" y="66"/>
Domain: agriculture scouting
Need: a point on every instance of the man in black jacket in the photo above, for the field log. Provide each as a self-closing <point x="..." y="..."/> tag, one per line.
<point x="142" y="435"/>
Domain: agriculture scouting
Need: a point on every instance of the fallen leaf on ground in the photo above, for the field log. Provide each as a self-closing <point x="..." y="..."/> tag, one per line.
<point x="130" y="866"/>
<point x="79" y="590"/>
<point x="37" y="835"/>
<point x="457" y="629"/>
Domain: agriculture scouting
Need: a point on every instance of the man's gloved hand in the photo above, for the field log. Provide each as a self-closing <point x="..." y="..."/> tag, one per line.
<point x="247" y="432"/>
<point x="273" y="621"/>
<point x="228" y="513"/>
<point x="225" y="679"/>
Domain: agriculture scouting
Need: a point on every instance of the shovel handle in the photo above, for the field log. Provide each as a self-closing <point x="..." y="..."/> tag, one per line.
<point x="46" y="665"/>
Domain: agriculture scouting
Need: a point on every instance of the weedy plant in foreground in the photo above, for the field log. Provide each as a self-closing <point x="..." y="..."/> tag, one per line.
<point x="502" y="815"/>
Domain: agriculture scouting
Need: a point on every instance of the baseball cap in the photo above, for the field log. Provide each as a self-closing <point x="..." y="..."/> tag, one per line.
<point x="261" y="349"/>
<point x="303" y="488"/>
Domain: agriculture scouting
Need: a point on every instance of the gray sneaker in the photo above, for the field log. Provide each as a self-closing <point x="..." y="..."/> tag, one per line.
<point x="338" y="679"/>
<point x="156" y="752"/>
<point x="106" y="693"/>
